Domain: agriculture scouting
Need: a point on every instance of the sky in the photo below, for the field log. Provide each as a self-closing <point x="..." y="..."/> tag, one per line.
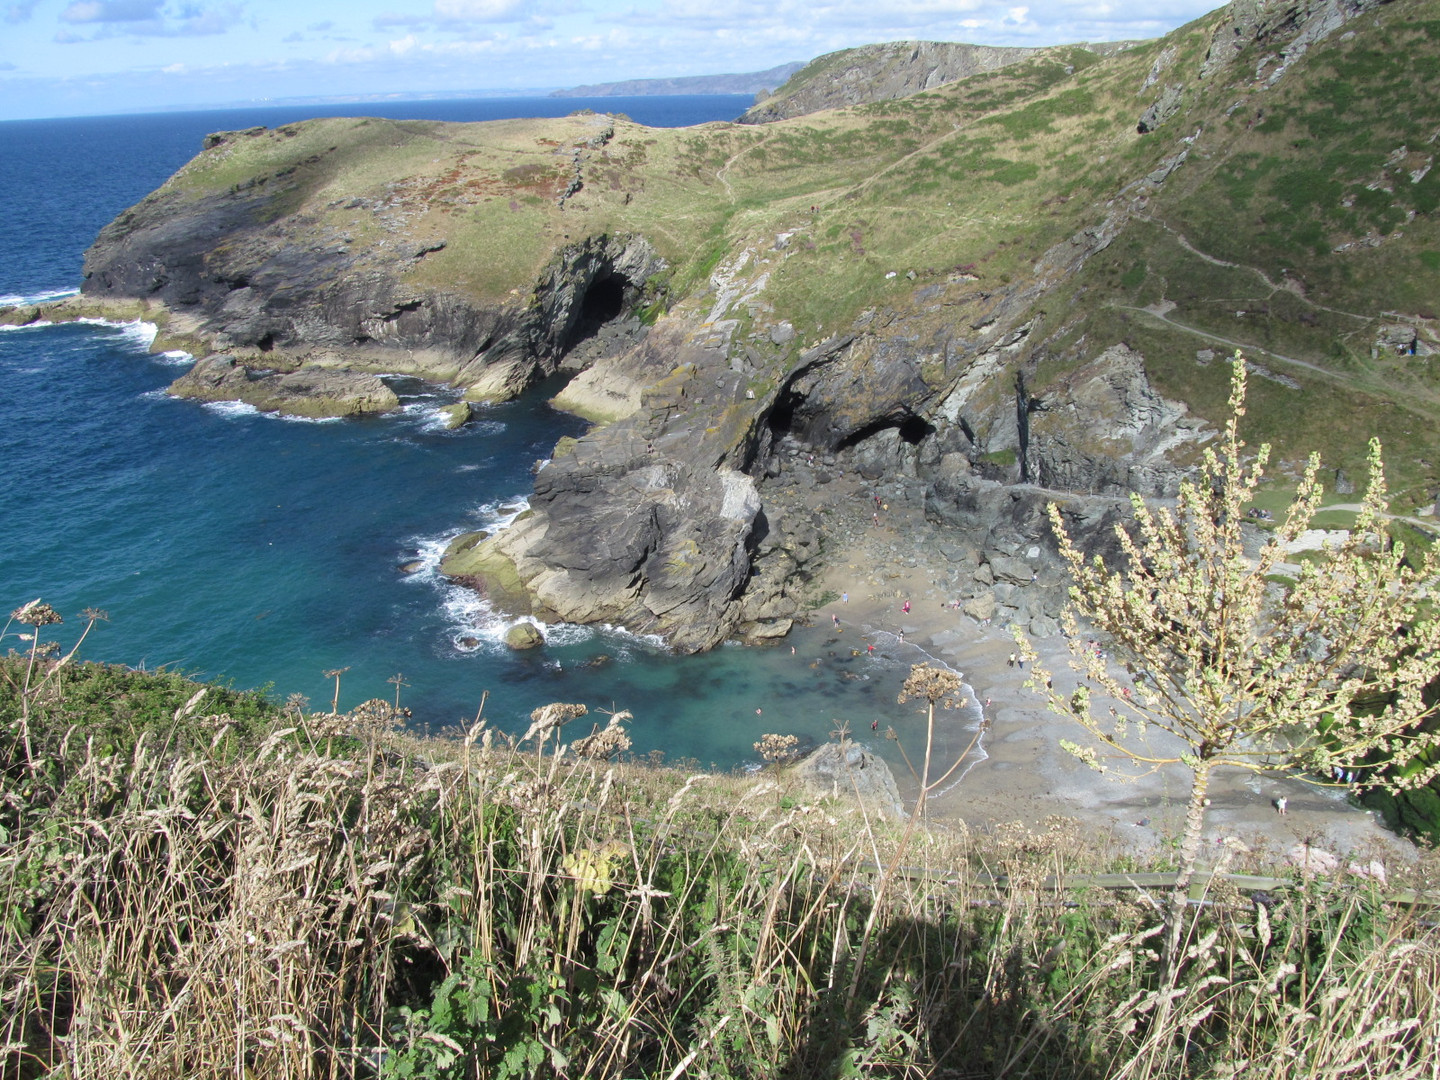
<point x="82" y="57"/>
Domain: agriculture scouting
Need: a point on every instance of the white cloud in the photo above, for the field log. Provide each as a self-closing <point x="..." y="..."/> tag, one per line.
<point x="479" y="10"/>
<point x="403" y="45"/>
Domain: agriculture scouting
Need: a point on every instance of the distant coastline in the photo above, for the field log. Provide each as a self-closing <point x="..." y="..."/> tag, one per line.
<point x="754" y="82"/>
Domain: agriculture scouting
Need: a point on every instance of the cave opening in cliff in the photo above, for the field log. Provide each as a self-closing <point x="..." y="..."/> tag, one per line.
<point x="605" y="300"/>
<point x="912" y="430"/>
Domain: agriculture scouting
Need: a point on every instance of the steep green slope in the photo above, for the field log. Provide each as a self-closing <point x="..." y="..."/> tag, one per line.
<point x="1302" y="227"/>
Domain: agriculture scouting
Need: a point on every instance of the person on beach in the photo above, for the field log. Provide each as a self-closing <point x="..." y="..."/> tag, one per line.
<point x="844" y="597"/>
<point x="905" y="607"/>
<point x="835" y="620"/>
<point x="1010" y="662"/>
<point x="874" y="725"/>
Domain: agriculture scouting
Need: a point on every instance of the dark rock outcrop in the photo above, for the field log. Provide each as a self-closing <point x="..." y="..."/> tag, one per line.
<point x="1161" y="109"/>
<point x="277" y="291"/>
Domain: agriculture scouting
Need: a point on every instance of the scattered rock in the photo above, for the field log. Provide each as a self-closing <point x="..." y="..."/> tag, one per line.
<point x="524" y="636"/>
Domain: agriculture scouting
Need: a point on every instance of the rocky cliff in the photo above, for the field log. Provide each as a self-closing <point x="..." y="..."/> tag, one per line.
<point x="870" y="73"/>
<point x="1013" y="289"/>
<point x="896" y="69"/>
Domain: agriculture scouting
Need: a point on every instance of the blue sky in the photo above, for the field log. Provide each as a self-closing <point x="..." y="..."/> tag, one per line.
<point x="75" y="57"/>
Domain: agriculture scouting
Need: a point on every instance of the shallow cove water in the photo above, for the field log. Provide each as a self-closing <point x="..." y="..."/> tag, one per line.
<point x="261" y="551"/>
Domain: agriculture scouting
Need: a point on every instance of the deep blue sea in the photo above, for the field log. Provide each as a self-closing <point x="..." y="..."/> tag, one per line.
<point x="235" y="546"/>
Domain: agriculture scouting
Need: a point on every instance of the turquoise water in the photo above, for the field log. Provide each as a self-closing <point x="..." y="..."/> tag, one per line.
<point x="261" y="551"/>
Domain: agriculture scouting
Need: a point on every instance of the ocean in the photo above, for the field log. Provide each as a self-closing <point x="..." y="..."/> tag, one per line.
<point x="262" y="552"/>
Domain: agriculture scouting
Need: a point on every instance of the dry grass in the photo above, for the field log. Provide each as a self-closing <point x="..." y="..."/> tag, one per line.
<point x="336" y="899"/>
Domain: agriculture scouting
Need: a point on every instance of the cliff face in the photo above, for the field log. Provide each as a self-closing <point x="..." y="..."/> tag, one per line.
<point x="1012" y="290"/>
<point x="280" y="289"/>
<point x="877" y="73"/>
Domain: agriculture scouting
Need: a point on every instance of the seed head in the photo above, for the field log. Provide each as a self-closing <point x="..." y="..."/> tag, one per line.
<point x="36" y="613"/>
<point x="932" y="685"/>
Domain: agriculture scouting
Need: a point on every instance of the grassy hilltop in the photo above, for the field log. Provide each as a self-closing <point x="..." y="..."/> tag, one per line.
<point x="1300" y="222"/>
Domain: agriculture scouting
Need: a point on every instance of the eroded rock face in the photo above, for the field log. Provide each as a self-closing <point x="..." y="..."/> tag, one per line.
<point x="282" y="293"/>
<point x="657" y="545"/>
<point x="1106" y="431"/>
<point x="1290" y="27"/>
<point x="879" y="73"/>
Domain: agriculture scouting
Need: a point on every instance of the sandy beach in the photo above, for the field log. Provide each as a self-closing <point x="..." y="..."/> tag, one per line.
<point x="1024" y="775"/>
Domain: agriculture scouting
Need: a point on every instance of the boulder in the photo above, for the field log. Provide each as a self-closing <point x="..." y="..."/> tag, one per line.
<point x="1042" y="626"/>
<point x="524" y="636"/>
<point x="457" y="415"/>
<point x="847" y="769"/>
<point x="981" y="607"/>
<point x="1015" y="571"/>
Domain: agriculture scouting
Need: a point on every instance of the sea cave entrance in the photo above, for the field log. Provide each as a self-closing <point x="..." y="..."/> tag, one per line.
<point x="605" y="303"/>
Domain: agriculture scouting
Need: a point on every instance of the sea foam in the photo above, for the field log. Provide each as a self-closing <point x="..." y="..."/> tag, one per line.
<point x="26" y="299"/>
